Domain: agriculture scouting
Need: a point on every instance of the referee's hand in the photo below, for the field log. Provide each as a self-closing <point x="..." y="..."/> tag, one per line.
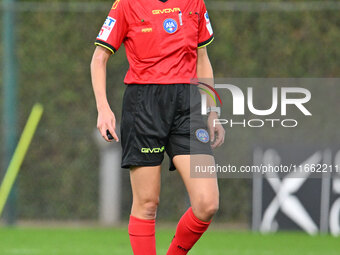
<point x="216" y="133"/>
<point x="107" y="122"/>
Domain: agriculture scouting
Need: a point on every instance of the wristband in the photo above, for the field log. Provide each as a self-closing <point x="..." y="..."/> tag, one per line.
<point x="214" y="109"/>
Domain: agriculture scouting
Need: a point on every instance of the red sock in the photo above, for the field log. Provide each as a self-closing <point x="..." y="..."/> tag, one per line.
<point x="142" y="236"/>
<point x="189" y="230"/>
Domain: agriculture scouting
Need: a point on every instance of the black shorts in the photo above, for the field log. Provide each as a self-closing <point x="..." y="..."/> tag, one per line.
<point x="158" y="118"/>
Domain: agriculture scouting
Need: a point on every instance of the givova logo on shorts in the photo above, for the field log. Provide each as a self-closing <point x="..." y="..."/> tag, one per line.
<point x="152" y="150"/>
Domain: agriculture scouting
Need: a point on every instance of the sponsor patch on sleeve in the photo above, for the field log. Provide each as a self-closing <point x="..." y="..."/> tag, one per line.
<point x="106" y="28"/>
<point x="208" y="24"/>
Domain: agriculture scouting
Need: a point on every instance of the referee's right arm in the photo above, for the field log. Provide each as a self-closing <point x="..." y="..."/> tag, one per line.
<point x="108" y="42"/>
<point x="106" y="118"/>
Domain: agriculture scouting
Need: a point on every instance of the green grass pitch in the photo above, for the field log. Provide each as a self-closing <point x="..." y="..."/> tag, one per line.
<point x="97" y="241"/>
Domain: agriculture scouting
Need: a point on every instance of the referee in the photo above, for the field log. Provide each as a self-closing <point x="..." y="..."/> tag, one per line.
<point x="165" y="43"/>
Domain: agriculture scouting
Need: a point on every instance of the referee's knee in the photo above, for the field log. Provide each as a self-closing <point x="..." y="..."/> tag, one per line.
<point x="205" y="209"/>
<point x="147" y="208"/>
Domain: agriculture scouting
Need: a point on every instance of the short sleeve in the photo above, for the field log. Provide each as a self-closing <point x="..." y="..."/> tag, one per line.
<point x="114" y="28"/>
<point x="205" y="31"/>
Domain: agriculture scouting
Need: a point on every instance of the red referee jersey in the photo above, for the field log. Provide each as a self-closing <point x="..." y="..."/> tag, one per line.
<point x="161" y="38"/>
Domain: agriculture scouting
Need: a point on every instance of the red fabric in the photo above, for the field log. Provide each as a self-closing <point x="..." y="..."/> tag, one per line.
<point x="160" y="38"/>
<point x="142" y="236"/>
<point x="189" y="230"/>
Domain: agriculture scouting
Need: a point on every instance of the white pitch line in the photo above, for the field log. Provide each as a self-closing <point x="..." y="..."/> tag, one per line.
<point x="22" y="251"/>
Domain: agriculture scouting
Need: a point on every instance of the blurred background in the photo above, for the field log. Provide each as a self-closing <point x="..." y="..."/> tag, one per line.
<point x="52" y="42"/>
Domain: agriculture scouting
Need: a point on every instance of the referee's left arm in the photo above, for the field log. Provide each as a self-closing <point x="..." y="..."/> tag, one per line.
<point x="205" y="71"/>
